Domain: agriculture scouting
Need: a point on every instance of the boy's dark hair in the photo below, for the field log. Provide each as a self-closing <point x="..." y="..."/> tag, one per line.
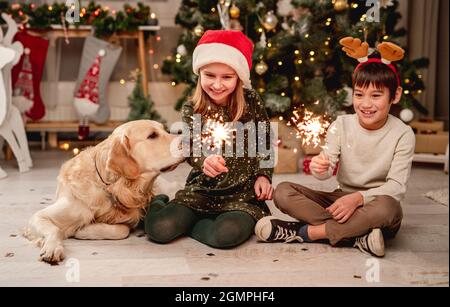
<point x="378" y="74"/>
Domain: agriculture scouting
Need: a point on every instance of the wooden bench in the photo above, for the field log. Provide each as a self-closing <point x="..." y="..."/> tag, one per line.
<point x="53" y="127"/>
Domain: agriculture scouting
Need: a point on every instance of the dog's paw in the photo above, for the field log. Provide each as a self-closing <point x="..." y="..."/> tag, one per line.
<point x="52" y="252"/>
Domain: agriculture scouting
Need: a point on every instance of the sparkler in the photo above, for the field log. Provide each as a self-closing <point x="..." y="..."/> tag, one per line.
<point x="216" y="133"/>
<point x="310" y="127"/>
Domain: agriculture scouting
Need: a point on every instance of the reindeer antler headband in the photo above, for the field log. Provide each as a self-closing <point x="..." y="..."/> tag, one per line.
<point x="389" y="52"/>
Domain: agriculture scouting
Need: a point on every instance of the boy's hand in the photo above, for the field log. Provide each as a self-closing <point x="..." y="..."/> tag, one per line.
<point x="320" y="164"/>
<point x="263" y="188"/>
<point x="344" y="207"/>
<point x="214" y="165"/>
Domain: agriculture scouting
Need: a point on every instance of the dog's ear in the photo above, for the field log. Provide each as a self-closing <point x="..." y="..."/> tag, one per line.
<point x="120" y="160"/>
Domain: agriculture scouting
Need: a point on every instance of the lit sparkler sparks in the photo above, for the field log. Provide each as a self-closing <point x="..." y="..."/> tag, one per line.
<point x="216" y="133"/>
<point x="310" y="127"/>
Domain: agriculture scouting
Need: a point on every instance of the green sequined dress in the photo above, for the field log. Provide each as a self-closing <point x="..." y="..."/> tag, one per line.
<point x="233" y="190"/>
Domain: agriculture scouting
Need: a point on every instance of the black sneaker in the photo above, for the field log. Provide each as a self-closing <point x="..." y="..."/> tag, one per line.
<point x="371" y="243"/>
<point x="271" y="229"/>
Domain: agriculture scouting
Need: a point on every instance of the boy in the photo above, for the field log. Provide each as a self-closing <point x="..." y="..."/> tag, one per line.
<point x="375" y="152"/>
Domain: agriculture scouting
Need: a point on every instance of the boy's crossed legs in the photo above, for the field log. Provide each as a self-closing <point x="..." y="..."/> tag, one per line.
<point x="308" y="206"/>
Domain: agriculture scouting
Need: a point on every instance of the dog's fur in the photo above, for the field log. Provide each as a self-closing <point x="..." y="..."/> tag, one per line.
<point x="107" y="204"/>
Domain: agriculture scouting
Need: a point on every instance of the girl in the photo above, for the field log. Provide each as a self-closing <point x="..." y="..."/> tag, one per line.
<point x="224" y="196"/>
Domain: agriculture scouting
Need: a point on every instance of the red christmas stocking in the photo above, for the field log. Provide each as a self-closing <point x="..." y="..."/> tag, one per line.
<point x="21" y="73"/>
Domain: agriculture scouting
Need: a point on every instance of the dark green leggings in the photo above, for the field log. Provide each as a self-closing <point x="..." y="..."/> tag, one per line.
<point x="166" y="222"/>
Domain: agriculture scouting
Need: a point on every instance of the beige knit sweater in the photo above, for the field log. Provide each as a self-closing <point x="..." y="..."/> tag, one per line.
<point x="373" y="162"/>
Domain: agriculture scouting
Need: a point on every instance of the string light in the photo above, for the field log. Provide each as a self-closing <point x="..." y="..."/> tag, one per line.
<point x="174" y="83"/>
<point x="280" y="63"/>
<point x="76" y="151"/>
<point x="64" y="146"/>
<point x="306" y="35"/>
<point x="152" y="15"/>
<point x="155" y="66"/>
<point x="269" y="45"/>
<point x="297" y="78"/>
<point x="122" y="81"/>
<point x="297" y="52"/>
<point x="283" y="94"/>
<point x="50" y="8"/>
<point x="355" y="5"/>
<point x="300" y="61"/>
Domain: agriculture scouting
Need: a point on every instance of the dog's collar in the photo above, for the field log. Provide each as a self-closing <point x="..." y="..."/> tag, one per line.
<point x="98" y="172"/>
<point x="115" y="200"/>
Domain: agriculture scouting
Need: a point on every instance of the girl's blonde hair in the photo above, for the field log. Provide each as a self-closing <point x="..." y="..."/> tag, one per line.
<point x="236" y="105"/>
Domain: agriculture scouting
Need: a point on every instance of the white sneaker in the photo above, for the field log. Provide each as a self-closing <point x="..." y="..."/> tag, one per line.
<point x="371" y="243"/>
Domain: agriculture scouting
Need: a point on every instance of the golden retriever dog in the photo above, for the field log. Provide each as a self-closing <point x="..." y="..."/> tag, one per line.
<point x="104" y="191"/>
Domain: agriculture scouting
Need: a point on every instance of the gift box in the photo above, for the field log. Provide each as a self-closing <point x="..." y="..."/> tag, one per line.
<point x="287" y="161"/>
<point x="427" y="126"/>
<point x="435" y="143"/>
<point x="288" y="149"/>
<point x="307" y="162"/>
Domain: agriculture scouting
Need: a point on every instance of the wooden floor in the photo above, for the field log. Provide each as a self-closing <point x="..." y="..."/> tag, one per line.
<point x="417" y="257"/>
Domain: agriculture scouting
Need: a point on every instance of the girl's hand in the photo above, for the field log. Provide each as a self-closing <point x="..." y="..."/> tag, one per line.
<point x="320" y="164"/>
<point x="214" y="165"/>
<point x="263" y="188"/>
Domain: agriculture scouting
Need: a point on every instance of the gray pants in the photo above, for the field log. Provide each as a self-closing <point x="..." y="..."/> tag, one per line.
<point x="309" y="206"/>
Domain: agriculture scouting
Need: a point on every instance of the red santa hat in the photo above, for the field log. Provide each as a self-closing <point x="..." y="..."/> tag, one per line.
<point x="229" y="47"/>
<point x="86" y="99"/>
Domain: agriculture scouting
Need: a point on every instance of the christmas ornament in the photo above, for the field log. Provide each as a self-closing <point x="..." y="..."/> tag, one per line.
<point x="181" y="50"/>
<point x="261" y="68"/>
<point x="406" y="115"/>
<point x="284" y="8"/>
<point x="270" y="21"/>
<point x="340" y="5"/>
<point x="199" y="30"/>
<point x="235" y="12"/>
<point x="263" y="40"/>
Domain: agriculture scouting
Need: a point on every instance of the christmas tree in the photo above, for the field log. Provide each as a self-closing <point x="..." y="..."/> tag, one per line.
<point x="141" y="107"/>
<point x="298" y="61"/>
